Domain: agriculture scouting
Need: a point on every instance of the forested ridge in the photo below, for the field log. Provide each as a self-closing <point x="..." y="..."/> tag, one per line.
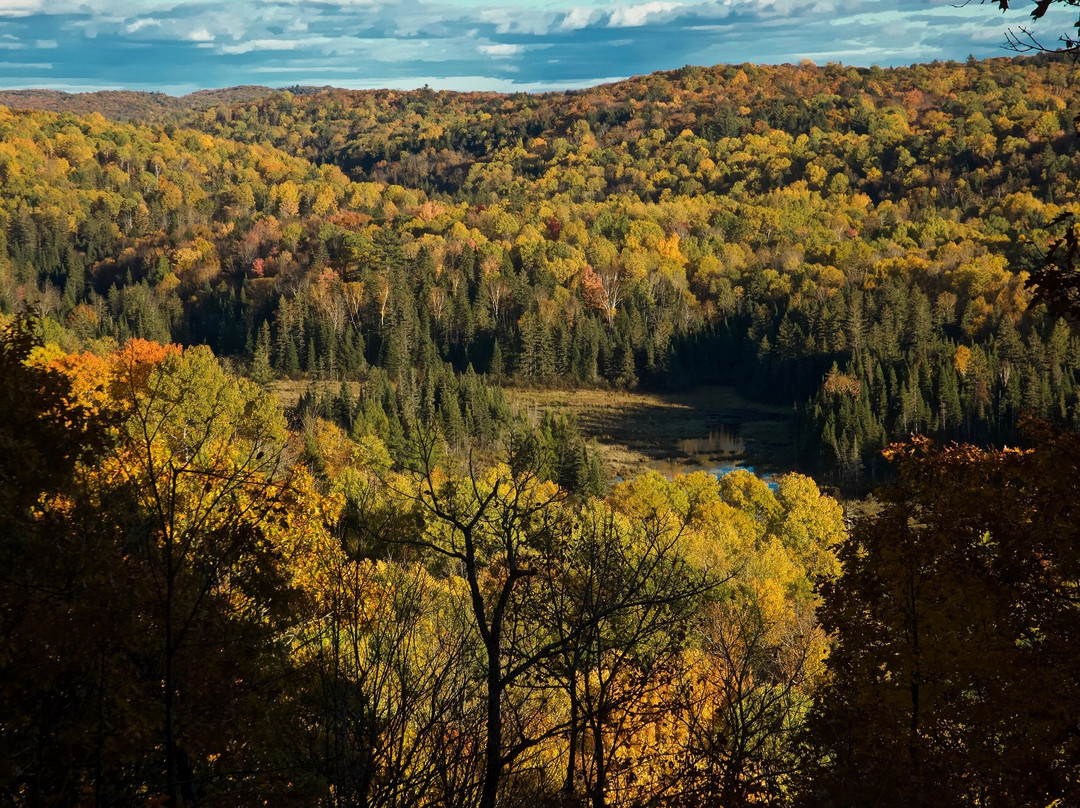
<point x="853" y="241"/>
<point x="131" y="105"/>
<point x="403" y="593"/>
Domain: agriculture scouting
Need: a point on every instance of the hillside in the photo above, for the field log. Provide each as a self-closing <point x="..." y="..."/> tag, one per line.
<point x="853" y="243"/>
<point x="130" y="105"/>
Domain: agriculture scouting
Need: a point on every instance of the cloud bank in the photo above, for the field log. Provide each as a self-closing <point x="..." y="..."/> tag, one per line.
<point x="182" y="45"/>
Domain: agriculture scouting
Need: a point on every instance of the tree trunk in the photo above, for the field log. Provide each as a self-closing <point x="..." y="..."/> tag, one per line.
<point x="170" y="686"/>
<point x="600" y="762"/>
<point x="571" y="771"/>
<point x="493" y="748"/>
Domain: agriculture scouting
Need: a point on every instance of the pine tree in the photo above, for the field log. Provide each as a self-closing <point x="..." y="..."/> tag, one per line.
<point x="312" y="359"/>
<point x="290" y="362"/>
<point x="527" y="361"/>
<point x="627" y="368"/>
<point x="261" y="373"/>
<point x="497" y="367"/>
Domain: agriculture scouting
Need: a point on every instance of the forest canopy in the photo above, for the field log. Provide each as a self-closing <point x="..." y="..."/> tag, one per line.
<point x="855" y="242"/>
<point x="403" y="592"/>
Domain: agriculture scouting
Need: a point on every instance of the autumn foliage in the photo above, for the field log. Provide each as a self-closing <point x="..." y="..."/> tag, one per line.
<point x="754" y="225"/>
<point x="403" y="594"/>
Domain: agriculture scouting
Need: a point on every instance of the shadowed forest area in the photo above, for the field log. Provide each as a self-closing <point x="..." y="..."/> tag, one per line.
<point x="342" y="440"/>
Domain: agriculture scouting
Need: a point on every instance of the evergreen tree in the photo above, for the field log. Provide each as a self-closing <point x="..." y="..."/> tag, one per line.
<point x="261" y="372"/>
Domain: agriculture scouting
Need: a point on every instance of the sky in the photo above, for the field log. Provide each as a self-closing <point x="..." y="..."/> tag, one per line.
<point x="178" y="46"/>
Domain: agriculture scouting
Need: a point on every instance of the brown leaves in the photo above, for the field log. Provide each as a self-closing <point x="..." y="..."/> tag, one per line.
<point x="956" y="603"/>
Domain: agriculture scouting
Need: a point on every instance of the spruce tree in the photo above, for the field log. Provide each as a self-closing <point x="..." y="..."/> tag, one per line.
<point x="261" y="372"/>
<point x="497" y="367"/>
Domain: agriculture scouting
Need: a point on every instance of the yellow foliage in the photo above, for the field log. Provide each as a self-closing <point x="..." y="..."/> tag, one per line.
<point x="962" y="359"/>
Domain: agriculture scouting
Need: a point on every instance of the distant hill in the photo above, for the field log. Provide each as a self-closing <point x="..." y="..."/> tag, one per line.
<point x="138" y="106"/>
<point x="849" y="244"/>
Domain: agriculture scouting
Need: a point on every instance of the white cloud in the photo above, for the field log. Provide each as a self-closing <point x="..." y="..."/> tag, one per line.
<point x="255" y="45"/>
<point x="578" y="18"/>
<point x="20" y="8"/>
<point x="402" y="51"/>
<point x="138" y="25"/>
<point x="108" y="10"/>
<point x="518" y="20"/>
<point x="858" y="52"/>
<point x="501" y="51"/>
<point x="637" y="16"/>
<point x="374" y="4"/>
<point x="200" y="35"/>
<point x="298" y="69"/>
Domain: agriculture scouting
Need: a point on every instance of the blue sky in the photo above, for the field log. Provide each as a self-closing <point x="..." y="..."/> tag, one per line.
<point x="177" y="46"/>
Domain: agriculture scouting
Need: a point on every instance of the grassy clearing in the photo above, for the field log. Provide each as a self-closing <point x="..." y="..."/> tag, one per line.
<point x="289" y="391"/>
<point x="699" y="429"/>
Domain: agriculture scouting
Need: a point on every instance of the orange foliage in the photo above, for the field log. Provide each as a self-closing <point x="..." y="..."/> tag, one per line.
<point x="837" y="384"/>
<point x="134" y="362"/>
<point x="592" y="289"/>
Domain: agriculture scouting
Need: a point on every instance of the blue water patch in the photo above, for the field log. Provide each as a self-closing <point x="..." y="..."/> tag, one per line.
<point x="723" y="471"/>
